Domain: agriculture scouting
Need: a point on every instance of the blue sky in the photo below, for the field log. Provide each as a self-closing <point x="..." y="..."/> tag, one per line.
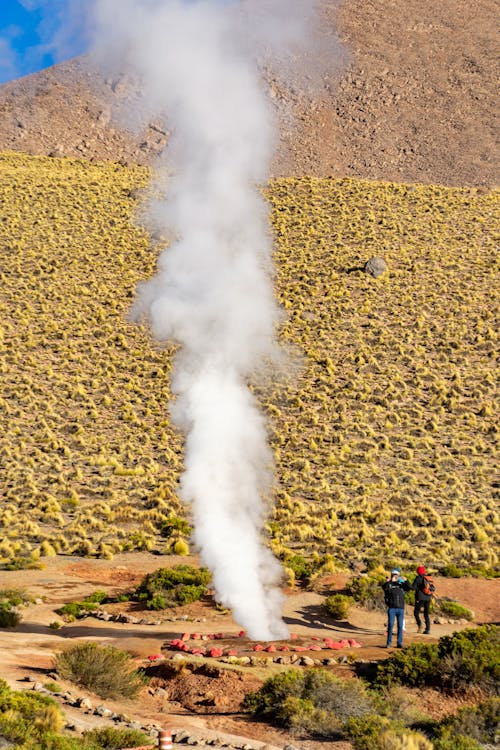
<point x="37" y="33"/>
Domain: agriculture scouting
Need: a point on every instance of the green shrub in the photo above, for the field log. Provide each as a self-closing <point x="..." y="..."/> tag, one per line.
<point x="338" y="605"/>
<point x="22" y="563"/>
<point x="313" y="701"/>
<point x="76" y="609"/>
<point x="414" y="665"/>
<point x="367" y="591"/>
<point x="105" y="670"/>
<point x="96" y="596"/>
<point x="9" y="617"/>
<point x="453" y="571"/>
<point x="469" y="658"/>
<point x="480" y="723"/>
<point x="171" y="587"/>
<point x="301" y="566"/>
<point x="14" y="597"/>
<point x="365" y="731"/>
<point x="175" y="526"/>
<point x="79" y="609"/>
<point x="451" y="741"/>
<point x="455" y="610"/>
<point x="111" y="738"/>
<point x="54" y="687"/>
<point x="27" y="715"/>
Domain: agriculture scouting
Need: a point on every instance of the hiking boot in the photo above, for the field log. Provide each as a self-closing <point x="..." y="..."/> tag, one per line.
<point x="420" y="629"/>
<point x="400" y="645"/>
<point x="426" y="632"/>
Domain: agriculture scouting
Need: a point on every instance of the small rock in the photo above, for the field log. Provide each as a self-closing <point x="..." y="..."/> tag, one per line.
<point x="375" y="266"/>
<point x="38" y="686"/>
<point x="307" y="661"/>
<point x="343" y="659"/>
<point x="180" y="736"/>
<point x="103" y="711"/>
<point x="85" y="703"/>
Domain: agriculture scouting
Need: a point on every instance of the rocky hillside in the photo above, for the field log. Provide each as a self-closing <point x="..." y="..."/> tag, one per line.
<point x="414" y="103"/>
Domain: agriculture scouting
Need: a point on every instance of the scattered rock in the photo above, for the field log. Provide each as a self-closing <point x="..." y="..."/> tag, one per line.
<point x="306" y="661"/>
<point x="181" y="736"/>
<point x="85" y="703"/>
<point x="375" y="267"/>
<point x="103" y="711"/>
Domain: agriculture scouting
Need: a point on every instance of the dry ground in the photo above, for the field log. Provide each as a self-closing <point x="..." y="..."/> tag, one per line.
<point x="29" y="648"/>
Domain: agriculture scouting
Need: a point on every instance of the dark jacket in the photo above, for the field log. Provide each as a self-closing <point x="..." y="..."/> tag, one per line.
<point x="416" y="586"/>
<point x="394" y="593"/>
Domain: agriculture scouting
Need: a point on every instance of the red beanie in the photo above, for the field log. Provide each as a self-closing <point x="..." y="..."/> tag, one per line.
<point x="421" y="570"/>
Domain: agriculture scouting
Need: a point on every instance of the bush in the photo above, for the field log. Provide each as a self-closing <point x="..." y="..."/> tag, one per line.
<point x="314" y="701"/>
<point x="110" y="738"/>
<point x="301" y="566"/>
<point x="174" y="526"/>
<point x="26" y="715"/>
<point x="414" y="665"/>
<point x="79" y="609"/>
<point x="9" y="617"/>
<point x="367" y="591"/>
<point x="455" y="610"/>
<point x="469" y="658"/>
<point x="338" y="606"/>
<point x="105" y="670"/>
<point x="76" y="610"/>
<point x="379" y="733"/>
<point x="97" y="597"/>
<point x="14" y="597"/>
<point x="54" y="687"/>
<point x="476" y="723"/>
<point x="180" y="547"/>
<point x="453" y="571"/>
<point x="171" y="587"/>
<point x="365" y="731"/>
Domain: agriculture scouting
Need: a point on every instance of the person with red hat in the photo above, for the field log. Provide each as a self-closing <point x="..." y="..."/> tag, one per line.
<point x="423" y="587"/>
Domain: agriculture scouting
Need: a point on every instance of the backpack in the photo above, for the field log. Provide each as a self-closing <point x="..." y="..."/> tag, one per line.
<point x="394" y="595"/>
<point x="427" y="586"/>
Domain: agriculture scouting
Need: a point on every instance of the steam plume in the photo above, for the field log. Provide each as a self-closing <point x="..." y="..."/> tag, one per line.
<point x="212" y="291"/>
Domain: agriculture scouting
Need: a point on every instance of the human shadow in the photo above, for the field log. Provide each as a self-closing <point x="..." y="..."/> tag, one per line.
<point x="314" y="616"/>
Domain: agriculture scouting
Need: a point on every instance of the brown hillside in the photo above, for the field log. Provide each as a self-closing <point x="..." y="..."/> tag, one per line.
<point x="415" y="103"/>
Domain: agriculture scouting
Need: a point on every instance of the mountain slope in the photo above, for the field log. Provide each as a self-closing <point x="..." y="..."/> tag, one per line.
<point x="415" y="103"/>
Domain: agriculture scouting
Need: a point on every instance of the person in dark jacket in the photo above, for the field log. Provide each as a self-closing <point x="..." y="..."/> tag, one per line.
<point x="394" y="592"/>
<point x="422" y="601"/>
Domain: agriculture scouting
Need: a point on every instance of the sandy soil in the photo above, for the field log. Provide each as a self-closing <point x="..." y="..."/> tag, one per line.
<point x="29" y="648"/>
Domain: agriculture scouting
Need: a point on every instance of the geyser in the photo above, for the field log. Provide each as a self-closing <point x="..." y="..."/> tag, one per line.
<point x="212" y="294"/>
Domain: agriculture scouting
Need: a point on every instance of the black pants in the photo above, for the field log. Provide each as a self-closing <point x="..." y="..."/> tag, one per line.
<point x="425" y="606"/>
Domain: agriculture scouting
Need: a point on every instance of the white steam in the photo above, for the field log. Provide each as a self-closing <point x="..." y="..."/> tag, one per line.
<point x="212" y="293"/>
